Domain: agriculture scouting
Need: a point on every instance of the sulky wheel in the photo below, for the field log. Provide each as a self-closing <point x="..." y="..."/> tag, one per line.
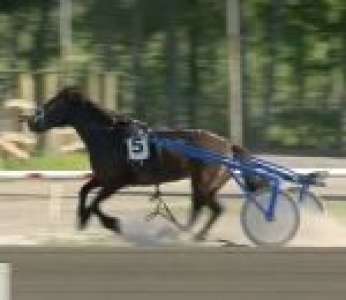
<point x="312" y="209"/>
<point x="310" y="203"/>
<point x="262" y="231"/>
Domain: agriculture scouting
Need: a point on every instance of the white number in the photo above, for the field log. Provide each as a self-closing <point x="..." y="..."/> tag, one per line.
<point x="137" y="145"/>
<point x="138" y="148"/>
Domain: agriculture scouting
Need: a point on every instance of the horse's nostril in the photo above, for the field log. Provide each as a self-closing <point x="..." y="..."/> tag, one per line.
<point x="32" y="124"/>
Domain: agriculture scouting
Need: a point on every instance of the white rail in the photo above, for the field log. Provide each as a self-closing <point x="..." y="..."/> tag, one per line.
<point x="70" y="175"/>
<point x="50" y="175"/>
<point x="5" y="281"/>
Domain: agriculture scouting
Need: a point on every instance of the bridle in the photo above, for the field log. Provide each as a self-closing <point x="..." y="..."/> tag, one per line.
<point x="39" y="115"/>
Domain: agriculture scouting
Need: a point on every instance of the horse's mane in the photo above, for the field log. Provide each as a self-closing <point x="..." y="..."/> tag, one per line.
<point x="107" y="117"/>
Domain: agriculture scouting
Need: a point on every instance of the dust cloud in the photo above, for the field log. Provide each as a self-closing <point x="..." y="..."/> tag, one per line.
<point x="323" y="230"/>
<point x="317" y="229"/>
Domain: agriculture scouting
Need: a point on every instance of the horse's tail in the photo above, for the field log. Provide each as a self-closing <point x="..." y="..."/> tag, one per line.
<point x="252" y="183"/>
<point x="242" y="152"/>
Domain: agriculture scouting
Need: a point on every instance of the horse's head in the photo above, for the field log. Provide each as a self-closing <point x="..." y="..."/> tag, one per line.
<point x="56" y="112"/>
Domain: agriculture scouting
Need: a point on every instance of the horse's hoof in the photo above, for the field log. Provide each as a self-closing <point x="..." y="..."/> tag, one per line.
<point x="82" y="222"/>
<point x="199" y="237"/>
<point x="81" y="226"/>
<point x="112" y="224"/>
<point x="116" y="226"/>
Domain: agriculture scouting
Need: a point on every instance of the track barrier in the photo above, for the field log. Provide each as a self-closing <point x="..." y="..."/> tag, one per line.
<point x="5" y="281"/>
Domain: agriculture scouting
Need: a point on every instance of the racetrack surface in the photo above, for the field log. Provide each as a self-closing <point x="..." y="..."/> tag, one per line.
<point x="105" y="273"/>
<point x="29" y="217"/>
<point x="64" y="263"/>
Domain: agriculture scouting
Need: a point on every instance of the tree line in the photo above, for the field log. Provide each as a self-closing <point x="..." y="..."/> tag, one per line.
<point x="172" y="61"/>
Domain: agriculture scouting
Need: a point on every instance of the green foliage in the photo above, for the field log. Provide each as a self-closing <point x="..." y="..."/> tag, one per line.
<point x="48" y="162"/>
<point x="295" y="61"/>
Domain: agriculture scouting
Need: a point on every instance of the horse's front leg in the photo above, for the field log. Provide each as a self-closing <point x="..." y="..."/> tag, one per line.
<point x="83" y="214"/>
<point x="108" y="222"/>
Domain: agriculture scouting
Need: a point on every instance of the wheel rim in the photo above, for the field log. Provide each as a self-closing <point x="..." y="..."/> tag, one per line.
<point x="276" y="232"/>
<point x="312" y="211"/>
<point x="310" y="203"/>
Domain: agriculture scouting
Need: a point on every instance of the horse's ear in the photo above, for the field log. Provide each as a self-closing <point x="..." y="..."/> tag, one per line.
<point x="122" y="119"/>
<point x="74" y="94"/>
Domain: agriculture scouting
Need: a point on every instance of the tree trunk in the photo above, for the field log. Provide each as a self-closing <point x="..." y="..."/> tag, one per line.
<point x="342" y="139"/>
<point x="38" y="58"/>
<point x="18" y="23"/>
<point x="193" y="89"/>
<point x="246" y="84"/>
<point x="272" y="36"/>
<point x="172" y="62"/>
<point x="39" y="55"/>
<point x="137" y="43"/>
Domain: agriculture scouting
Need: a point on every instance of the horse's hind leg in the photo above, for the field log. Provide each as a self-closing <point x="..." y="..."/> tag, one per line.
<point x="196" y="207"/>
<point x="214" y="181"/>
<point x="83" y="213"/>
<point x="216" y="211"/>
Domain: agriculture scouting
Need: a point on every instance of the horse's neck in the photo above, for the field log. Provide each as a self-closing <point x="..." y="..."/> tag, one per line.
<point x="86" y="120"/>
<point x="91" y="133"/>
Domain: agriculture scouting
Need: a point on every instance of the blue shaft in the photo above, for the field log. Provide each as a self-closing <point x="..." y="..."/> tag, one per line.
<point x="252" y="166"/>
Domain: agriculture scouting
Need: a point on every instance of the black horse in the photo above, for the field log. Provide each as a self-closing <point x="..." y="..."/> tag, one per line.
<point x="105" y="135"/>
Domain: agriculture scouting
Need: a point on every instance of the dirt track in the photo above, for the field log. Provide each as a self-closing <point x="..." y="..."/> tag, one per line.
<point x="185" y="273"/>
<point x="109" y="269"/>
<point x="29" y="216"/>
<point x="33" y="218"/>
